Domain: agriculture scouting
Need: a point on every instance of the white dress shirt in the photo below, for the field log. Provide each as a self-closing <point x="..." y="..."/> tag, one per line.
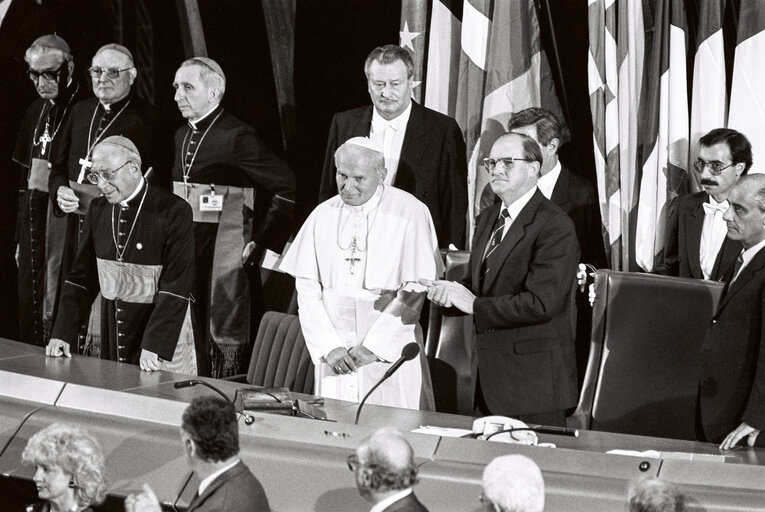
<point x="713" y="234"/>
<point x="515" y="209"/>
<point x="390" y="500"/>
<point x="547" y="182"/>
<point x="204" y="484"/>
<point x="389" y="135"/>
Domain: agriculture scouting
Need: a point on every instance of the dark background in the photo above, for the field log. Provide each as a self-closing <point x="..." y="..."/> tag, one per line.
<point x="332" y="39"/>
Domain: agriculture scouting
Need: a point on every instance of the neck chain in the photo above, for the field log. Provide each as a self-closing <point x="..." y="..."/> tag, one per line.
<point x="101" y="135"/>
<point x="121" y="253"/>
<point x="185" y="148"/>
<point x="46" y="137"/>
<point x="353" y="244"/>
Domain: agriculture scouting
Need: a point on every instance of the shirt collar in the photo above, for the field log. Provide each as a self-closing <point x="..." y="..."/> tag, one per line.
<point x="126" y="202"/>
<point x="515" y="208"/>
<point x="546" y="182"/>
<point x="204" y="484"/>
<point x="750" y="253"/>
<point x="398" y="123"/>
<point x="202" y="123"/>
<point x="381" y="506"/>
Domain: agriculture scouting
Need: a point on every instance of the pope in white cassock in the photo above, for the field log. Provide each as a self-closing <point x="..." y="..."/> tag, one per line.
<point x="357" y="261"/>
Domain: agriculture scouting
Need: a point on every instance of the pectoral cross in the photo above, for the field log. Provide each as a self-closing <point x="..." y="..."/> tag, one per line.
<point x="45" y="138"/>
<point x="86" y="164"/>
<point x="352" y="259"/>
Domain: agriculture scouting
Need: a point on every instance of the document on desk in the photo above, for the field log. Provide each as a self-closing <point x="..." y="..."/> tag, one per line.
<point x="442" y="431"/>
<point x="653" y="454"/>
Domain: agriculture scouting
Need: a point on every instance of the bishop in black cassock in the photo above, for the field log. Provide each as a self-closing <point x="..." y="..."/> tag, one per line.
<point x="137" y="250"/>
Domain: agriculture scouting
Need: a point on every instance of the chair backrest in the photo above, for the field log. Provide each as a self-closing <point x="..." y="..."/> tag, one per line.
<point x="280" y="357"/>
<point x="451" y="340"/>
<point x="643" y="371"/>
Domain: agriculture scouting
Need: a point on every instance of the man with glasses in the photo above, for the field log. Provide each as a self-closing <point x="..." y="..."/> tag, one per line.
<point x="696" y="244"/>
<point x="424" y="150"/>
<point x="385" y="472"/>
<point x="40" y="236"/>
<point x="137" y="249"/>
<point x="113" y="111"/>
<point x="517" y="286"/>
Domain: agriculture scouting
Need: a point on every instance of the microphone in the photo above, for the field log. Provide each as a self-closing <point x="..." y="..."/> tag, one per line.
<point x="248" y="420"/>
<point x="408" y="353"/>
<point x="542" y="429"/>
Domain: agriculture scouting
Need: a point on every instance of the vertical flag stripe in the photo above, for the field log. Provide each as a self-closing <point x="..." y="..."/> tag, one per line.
<point x="442" y="74"/>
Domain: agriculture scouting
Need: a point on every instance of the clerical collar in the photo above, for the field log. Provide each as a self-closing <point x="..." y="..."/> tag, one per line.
<point x="115" y="107"/>
<point x="126" y="202"/>
<point x="371" y="204"/>
<point x="206" y="120"/>
<point x="399" y="122"/>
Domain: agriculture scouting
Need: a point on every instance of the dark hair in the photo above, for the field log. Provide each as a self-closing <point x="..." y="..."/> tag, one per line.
<point x="389" y="54"/>
<point x="738" y="144"/>
<point x="211" y="423"/>
<point x="547" y="125"/>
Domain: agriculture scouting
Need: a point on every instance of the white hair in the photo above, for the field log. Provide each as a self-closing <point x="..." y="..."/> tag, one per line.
<point x="514" y="483"/>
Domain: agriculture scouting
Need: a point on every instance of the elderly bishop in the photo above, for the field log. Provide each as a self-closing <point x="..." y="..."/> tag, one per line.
<point x="357" y="261"/>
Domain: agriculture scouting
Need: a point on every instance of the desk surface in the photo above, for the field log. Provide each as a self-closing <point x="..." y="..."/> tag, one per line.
<point x="116" y="399"/>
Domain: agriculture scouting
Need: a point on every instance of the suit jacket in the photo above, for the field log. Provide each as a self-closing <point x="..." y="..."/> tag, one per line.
<point x="576" y="197"/>
<point x="432" y="166"/>
<point x="732" y="387"/>
<point x="408" y="503"/>
<point x="683" y="240"/>
<point x="522" y="316"/>
<point x="236" y="490"/>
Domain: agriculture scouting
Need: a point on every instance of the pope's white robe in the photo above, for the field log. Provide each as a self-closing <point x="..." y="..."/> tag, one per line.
<point x="378" y="303"/>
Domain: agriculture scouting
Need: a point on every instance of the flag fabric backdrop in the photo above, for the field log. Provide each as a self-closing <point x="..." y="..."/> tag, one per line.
<point x="747" y="95"/>
<point x="442" y="74"/>
<point x="414" y="14"/>
<point x="503" y="69"/>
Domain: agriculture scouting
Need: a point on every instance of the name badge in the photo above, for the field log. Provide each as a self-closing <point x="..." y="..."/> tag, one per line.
<point x="211" y="203"/>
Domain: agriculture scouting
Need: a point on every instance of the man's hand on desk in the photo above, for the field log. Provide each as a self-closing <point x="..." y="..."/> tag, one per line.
<point x="340" y="361"/>
<point x="450" y="294"/>
<point x="149" y="361"/>
<point x="738" y="434"/>
<point x="362" y="356"/>
<point x="145" y="501"/>
<point x="57" y="348"/>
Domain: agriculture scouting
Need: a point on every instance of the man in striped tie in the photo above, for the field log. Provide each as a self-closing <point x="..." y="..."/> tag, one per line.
<point x="518" y="287"/>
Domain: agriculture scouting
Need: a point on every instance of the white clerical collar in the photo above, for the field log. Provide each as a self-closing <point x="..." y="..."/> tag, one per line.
<point x="204" y="484"/>
<point x="379" y="507"/>
<point x="398" y="123"/>
<point x="546" y="182"/>
<point x="195" y="121"/>
<point x="515" y="208"/>
<point x="371" y="204"/>
<point x="124" y="202"/>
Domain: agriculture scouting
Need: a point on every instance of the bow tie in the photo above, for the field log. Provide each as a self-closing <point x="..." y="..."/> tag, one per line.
<point x="712" y="208"/>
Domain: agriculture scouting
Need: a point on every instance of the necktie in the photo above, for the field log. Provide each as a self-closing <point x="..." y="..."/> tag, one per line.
<point x="496" y="238"/>
<point x="737" y="265"/>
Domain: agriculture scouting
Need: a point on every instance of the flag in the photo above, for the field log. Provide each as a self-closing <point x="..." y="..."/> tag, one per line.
<point x="709" y="98"/>
<point x="503" y="69"/>
<point x="442" y="75"/>
<point x="664" y="131"/>
<point x="414" y="15"/>
<point x="747" y="104"/>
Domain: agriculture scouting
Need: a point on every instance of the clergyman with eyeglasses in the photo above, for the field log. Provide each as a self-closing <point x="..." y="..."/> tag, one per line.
<point x="41" y="236"/>
<point x="518" y="286"/>
<point x="696" y="242"/>
<point x="137" y="249"/>
<point x="115" y="110"/>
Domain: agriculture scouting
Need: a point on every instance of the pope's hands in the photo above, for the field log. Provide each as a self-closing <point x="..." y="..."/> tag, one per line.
<point x="340" y="361"/>
<point x="362" y="356"/>
<point x="67" y="200"/>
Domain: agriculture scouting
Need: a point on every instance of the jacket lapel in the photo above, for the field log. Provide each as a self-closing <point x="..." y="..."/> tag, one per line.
<point x="363" y="125"/>
<point x="481" y="239"/>
<point x="696" y="224"/>
<point x="514" y="235"/>
<point x="411" y="150"/>
<point x="214" y="485"/>
<point x="560" y="190"/>
<point x="744" y="277"/>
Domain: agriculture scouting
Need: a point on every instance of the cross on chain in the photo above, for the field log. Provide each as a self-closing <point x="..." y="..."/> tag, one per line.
<point x="45" y="138"/>
<point x="86" y="164"/>
<point x="352" y="259"/>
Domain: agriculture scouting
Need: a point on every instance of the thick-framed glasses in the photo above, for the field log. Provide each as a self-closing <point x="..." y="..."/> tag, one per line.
<point x="716" y="168"/>
<point x="49" y="76"/>
<point x="96" y="71"/>
<point x="107" y="176"/>
<point x="507" y="162"/>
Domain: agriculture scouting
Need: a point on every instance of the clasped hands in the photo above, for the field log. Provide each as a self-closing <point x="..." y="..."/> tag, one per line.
<point x="344" y="361"/>
<point x="149" y="361"/>
<point x="449" y="294"/>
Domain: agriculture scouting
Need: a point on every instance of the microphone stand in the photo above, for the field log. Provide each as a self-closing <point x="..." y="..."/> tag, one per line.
<point x="248" y="420"/>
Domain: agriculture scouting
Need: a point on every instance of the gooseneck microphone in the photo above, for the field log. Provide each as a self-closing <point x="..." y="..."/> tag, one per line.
<point x="408" y="353"/>
<point x="248" y="420"/>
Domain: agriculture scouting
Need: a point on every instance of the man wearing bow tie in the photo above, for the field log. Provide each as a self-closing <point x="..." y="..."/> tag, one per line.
<point x="696" y="241"/>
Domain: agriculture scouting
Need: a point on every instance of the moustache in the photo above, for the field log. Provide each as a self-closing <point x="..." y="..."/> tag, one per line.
<point x="708" y="182"/>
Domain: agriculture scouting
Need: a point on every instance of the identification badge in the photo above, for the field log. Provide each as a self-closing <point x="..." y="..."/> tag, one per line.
<point x="211" y="203"/>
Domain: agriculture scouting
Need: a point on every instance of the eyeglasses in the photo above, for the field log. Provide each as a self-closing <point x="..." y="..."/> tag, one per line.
<point x="49" y="76"/>
<point x="107" y="176"/>
<point x="715" y="168"/>
<point x="96" y="71"/>
<point x="507" y="162"/>
<point x="353" y="462"/>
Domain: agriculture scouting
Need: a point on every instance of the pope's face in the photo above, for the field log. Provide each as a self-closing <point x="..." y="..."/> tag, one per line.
<point x="193" y="97"/>
<point x="357" y="179"/>
<point x="112" y="90"/>
<point x="389" y="88"/>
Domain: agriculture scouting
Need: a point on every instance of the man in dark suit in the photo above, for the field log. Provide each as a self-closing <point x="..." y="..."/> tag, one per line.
<point x="696" y="242"/>
<point x="210" y="438"/>
<point x="517" y="287"/>
<point x="576" y="197"/>
<point x="424" y="150"/>
<point x="385" y="472"/>
<point x="731" y="403"/>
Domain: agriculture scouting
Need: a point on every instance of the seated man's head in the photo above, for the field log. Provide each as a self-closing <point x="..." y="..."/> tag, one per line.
<point x="384" y="464"/>
<point x="513" y="483"/>
<point x="360" y="170"/>
<point x="724" y="155"/>
<point x="116" y="168"/>
<point x="513" y="165"/>
<point x="654" y="495"/>
<point x="209" y="431"/>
